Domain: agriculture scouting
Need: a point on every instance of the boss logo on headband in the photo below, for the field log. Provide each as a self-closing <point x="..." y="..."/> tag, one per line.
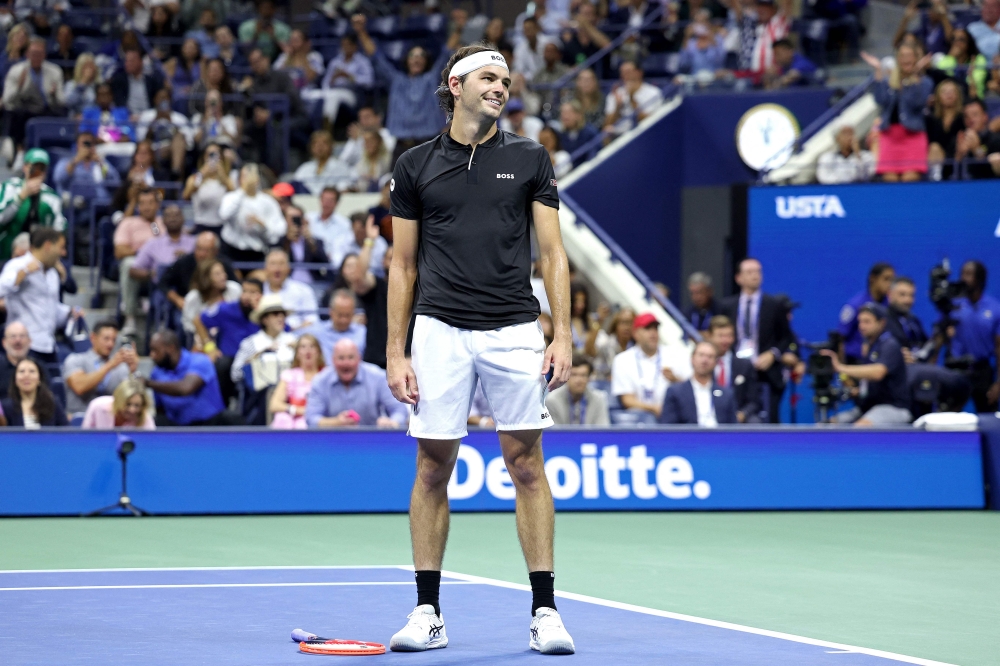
<point x="497" y="57"/>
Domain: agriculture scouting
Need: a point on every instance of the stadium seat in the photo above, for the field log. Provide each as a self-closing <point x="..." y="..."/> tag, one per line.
<point x="50" y="132"/>
<point x="86" y="23"/>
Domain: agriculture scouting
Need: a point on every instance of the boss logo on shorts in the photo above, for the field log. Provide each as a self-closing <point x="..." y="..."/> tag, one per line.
<point x="508" y="176"/>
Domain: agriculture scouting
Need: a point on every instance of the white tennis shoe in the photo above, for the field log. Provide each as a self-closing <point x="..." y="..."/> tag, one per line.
<point x="424" y="630"/>
<point x="548" y="635"/>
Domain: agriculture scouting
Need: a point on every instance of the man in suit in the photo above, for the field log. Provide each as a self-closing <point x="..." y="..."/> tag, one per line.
<point x="733" y="372"/>
<point x="133" y="89"/>
<point x="703" y="306"/>
<point x="763" y="333"/>
<point x="700" y="401"/>
<point x="32" y="88"/>
<point x="576" y="403"/>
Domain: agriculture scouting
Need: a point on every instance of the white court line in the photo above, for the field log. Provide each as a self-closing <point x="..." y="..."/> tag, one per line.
<point x="526" y="588"/>
<point x="199" y="585"/>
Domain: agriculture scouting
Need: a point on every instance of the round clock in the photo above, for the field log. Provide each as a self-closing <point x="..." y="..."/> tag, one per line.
<point x="766" y="136"/>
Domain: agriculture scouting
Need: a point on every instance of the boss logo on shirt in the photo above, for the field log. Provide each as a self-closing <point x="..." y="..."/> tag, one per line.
<point x="505" y="175"/>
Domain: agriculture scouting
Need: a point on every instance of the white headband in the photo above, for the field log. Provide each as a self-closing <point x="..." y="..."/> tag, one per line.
<point x="477" y="61"/>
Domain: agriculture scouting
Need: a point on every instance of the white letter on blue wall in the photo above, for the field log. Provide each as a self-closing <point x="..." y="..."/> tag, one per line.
<point x="612" y="466"/>
<point x="475" y="471"/>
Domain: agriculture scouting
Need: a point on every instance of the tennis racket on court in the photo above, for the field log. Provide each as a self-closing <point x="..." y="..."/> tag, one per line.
<point x="313" y="644"/>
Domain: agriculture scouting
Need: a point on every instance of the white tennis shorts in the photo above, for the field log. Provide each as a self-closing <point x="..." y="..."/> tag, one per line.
<point x="447" y="361"/>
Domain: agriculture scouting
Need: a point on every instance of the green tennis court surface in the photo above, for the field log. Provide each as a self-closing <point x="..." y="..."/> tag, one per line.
<point x="919" y="584"/>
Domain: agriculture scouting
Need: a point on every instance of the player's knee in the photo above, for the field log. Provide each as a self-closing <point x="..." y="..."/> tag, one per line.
<point x="433" y="474"/>
<point x="527" y="472"/>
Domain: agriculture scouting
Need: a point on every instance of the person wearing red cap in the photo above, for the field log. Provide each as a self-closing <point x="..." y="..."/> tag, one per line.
<point x="641" y="375"/>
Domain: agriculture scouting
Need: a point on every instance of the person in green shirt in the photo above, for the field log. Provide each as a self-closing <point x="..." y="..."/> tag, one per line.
<point x="264" y="32"/>
<point x="964" y="54"/>
<point x="27" y="202"/>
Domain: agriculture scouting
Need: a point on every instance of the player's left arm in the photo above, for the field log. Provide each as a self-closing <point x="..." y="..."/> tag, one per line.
<point x="555" y="271"/>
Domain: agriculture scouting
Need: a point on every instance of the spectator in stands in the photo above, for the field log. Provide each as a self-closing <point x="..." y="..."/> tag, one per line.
<point x="97" y="372"/>
<point x="185" y="385"/>
<point x="978" y="143"/>
<point x="517" y="121"/>
<point x="963" y="55"/>
<point x="127" y="407"/>
<point x="368" y="120"/>
<point x="352" y="393"/>
<point x="774" y="22"/>
<point x="977" y="333"/>
<point x="176" y="280"/>
<point x="986" y="31"/>
<point x="21" y="244"/>
<point x="562" y="163"/>
<point x="206" y="187"/>
<point x="32" y="88"/>
<point x="64" y="49"/>
<point x="414" y="114"/>
<point x="214" y="77"/>
<point x="935" y="31"/>
<point x="703" y="306"/>
<point x="734" y="372"/>
<point x="298" y="298"/>
<point x="302" y="247"/>
<point x="575" y="132"/>
<point x="373" y="294"/>
<point x="496" y="34"/>
<point x="790" y="68"/>
<point x="582" y="38"/>
<point x="576" y="402"/>
<point x="215" y="125"/>
<point x="902" y="146"/>
<point x="111" y="124"/>
<point x="27" y="203"/>
<point x="252" y="219"/>
<point x="184" y="70"/>
<point x="553" y="69"/>
<point x="16" y="346"/>
<point x="204" y="33"/>
<point x="529" y="50"/>
<point x="328" y="225"/>
<point x="142" y="173"/>
<point x="168" y="131"/>
<point x="641" y="374"/>
<point x="616" y="338"/>
<point x="30" y="286"/>
<point x="700" y="400"/>
<point x="349" y="69"/>
<point x="365" y="234"/>
<point x="86" y="169"/>
<point x="703" y="56"/>
<point x="222" y="327"/>
<point x="162" y="30"/>
<point x="130" y="235"/>
<point x="944" y="125"/>
<point x="374" y="163"/>
<point x="323" y="170"/>
<point x="300" y="62"/>
<point x="583" y="325"/>
<point x="81" y="91"/>
<point x="228" y="51"/>
<point x="162" y="250"/>
<point x="210" y="286"/>
<point x="887" y="400"/>
<point x="132" y="88"/>
<point x="288" y="401"/>
<point x="30" y="403"/>
<point x="763" y="332"/>
<point x="847" y="163"/>
<point x="266" y="81"/>
<point x="268" y="351"/>
<point x="631" y="101"/>
<point x="265" y="32"/>
<point x="341" y="325"/>
<point x="15" y="49"/>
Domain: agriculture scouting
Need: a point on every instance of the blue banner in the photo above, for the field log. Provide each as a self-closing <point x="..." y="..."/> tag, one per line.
<point x="204" y="472"/>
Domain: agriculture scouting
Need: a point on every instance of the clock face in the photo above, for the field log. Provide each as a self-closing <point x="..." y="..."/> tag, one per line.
<point x="765" y="136"/>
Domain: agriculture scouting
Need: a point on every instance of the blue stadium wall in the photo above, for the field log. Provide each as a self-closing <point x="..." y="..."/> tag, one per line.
<point x="635" y="194"/>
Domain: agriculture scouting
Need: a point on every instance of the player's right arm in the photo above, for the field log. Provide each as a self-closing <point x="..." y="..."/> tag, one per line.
<point x="402" y="279"/>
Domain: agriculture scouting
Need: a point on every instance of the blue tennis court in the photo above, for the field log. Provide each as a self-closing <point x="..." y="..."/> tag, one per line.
<point x="245" y="615"/>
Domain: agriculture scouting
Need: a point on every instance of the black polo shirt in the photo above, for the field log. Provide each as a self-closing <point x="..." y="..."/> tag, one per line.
<point x="474" y="212"/>
<point x="906" y="328"/>
<point x="892" y="389"/>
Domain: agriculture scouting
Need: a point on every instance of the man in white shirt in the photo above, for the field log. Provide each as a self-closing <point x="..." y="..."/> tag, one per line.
<point x="358" y="240"/>
<point x="328" y="225"/>
<point x="631" y="101"/>
<point x="297" y="298"/>
<point x="700" y="401"/>
<point x="986" y="31"/>
<point x="529" y="50"/>
<point x="847" y="163"/>
<point x="349" y="68"/>
<point x="323" y="170"/>
<point x="641" y="375"/>
<point x="30" y="285"/>
<point x="368" y="119"/>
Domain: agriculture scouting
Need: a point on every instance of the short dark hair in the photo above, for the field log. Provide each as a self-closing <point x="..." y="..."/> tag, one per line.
<point x="255" y="282"/>
<point x="980" y="272"/>
<point x="105" y="323"/>
<point x="874" y="309"/>
<point x="787" y="43"/>
<point x="579" y="359"/>
<point x="445" y="98"/>
<point x="720" y="321"/>
<point x="42" y="235"/>
<point x="147" y="190"/>
<point x="350" y="37"/>
<point x="330" y="188"/>
<point x="359" y="217"/>
<point x="980" y="103"/>
<point x="902" y="279"/>
<point x="877" y="269"/>
<point x="168" y="337"/>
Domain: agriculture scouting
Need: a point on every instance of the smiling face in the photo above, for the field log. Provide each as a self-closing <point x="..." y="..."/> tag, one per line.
<point x="27" y="376"/>
<point x="484" y="92"/>
<point x="416" y="61"/>
<point x="134" y="407"/>
<point x="103" y="341"/>
<point x="16" y="341"/>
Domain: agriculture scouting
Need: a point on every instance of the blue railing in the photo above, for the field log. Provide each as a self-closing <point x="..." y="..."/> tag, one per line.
<point x="619" y="255"/>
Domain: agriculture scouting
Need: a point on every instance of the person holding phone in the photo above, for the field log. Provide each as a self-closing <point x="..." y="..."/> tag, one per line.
<point x="206" y="187"/>
<point x="86" y="169"/>
<point x="26" y="202"/>
<point x="302" y="247"/>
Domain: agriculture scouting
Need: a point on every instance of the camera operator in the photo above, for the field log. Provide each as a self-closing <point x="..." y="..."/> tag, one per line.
<point x="880" y="277"/>
<point x="976" y="333"/>
<point x="928" y="381"/>
<point x="883" y="398"/>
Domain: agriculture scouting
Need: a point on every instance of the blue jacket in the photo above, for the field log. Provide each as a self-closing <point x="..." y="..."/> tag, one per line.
<point x="90" y="120"/>
<point x="848" y="325"/>
<point x="679" y="406"/>
<point x="912" y="99"/>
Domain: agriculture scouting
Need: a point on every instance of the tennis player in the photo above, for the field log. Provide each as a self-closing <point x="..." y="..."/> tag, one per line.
<point x="462" y="207"/>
